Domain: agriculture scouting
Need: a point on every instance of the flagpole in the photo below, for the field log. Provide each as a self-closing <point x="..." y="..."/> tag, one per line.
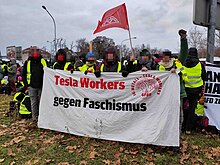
<point x="129" y="33"/>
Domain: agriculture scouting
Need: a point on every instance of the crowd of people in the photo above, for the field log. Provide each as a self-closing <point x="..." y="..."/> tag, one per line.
<point x="192" y="75"/>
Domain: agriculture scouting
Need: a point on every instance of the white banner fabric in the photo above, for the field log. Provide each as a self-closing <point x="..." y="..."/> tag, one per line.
<point x="141" y="108"/>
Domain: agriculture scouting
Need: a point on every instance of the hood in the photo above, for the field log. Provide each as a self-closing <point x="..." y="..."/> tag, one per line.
<point x="191" y="62"/>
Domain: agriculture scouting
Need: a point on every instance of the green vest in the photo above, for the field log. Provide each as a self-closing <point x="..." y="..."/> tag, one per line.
<point x="118" y="69"/>
<point x="65" y="66"/>
<point x="43" y="62"/>
<point x="192" y="76"/>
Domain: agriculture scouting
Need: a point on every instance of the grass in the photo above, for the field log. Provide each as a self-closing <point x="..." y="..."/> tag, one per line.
<point x="22" y="143"/>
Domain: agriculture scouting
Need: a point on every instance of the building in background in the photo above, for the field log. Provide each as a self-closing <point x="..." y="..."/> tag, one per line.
<point x="25" y="53"/>
<point x="14" y="52"/>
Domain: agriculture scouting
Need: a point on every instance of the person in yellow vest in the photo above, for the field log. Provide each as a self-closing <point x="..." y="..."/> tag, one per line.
<point x="61" y="62"/>
<point x="19" y="84"/>
<point x="4" y="68"/>
<point x="12" y="70"/>
<point x="202" y="120"/>
<point x="193" y="75"/>
<point x="1" y="76"/>
<point x="32" y="76"/>
<point x="200" y="107"/>
<point x="5" y="86"/>
<point x="24" y="104"/>
<point x="111" y="61"/>
<point x="167" y="63"/>
<point x="91" y="65"/>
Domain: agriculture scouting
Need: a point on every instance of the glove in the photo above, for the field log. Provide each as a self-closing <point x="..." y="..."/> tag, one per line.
<point x="71" y="71"/>
<point x="125" y="73"/>
<point x="86" y="72"/>
<point x="181" y="31"/>
<point x="97" y="74"/>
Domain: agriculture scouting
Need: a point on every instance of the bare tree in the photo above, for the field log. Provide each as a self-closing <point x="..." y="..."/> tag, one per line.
<point x="217" y="34"/>
<point x="155" y="51"/>
<point x="82" y="45"/>
<point x="217" y="51"/>
<point x="124" y="50"/>
<point x="197" y="39"/>
<point x="100" y="43"/>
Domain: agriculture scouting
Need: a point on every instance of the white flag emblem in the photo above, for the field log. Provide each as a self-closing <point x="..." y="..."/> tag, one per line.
<point x="110" y="20"/>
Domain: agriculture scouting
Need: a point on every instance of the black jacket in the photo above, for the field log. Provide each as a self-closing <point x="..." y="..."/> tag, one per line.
<point x="131" y="67"/>
<point x="111" y="67"/>
<point x="37" y="73"/>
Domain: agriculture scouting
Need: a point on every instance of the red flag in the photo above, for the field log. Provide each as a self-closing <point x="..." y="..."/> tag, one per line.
<point x="115" y="17"/>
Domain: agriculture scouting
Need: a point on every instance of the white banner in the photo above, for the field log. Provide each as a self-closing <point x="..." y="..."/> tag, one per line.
<point x="212" y="95"/>
<point x="141" y="108"/>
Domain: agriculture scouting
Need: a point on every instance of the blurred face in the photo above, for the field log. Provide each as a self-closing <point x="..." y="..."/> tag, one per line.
<point x="60" y="57"/>
<point x="110" y="56"/>
<point x="166" y="58"/>
<point x="35" y="53"/>
<point x="145" y="58"/>
<point x="91" y="59"/>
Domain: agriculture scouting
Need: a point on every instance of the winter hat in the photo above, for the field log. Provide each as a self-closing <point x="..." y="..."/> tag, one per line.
<point x="90" y="54"/>
<point x="19" y="78"/>
<point x="167" y="53"/>
<point x="144" y="52"/>
<point x="110" y="50"/>
<point x="193" y="52"/>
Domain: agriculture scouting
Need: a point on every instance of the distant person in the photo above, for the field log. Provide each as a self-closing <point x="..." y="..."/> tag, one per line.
<point x="143" y="63"/>
<point x="1" y="77"/>
<point x="32" y="76"/>
<point x="12" y="70"/>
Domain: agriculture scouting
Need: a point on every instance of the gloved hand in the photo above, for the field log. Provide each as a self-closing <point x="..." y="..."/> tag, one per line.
<point x="125" y="73"/>
<point x="71" y="71"/>
<point x="97" y="74"/>
<point x="182" y="33"/>
<point x="86" y="72"/>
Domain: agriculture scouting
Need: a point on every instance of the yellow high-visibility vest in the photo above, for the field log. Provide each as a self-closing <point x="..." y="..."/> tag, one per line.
<point x="162" y="68"/>
<point x="22" y="109"/>
<point x="65" y="66"/>
<point x="3" y="67"/>
<point x="118" y="69"/>
<point x="192" y="76"/>
<point x="86" y="68"/>
<point x="199" y="109"/>
<point x="43" y="62"/>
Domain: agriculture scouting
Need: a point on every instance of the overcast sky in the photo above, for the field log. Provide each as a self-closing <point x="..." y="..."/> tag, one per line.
<point x="156" y="22"/>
